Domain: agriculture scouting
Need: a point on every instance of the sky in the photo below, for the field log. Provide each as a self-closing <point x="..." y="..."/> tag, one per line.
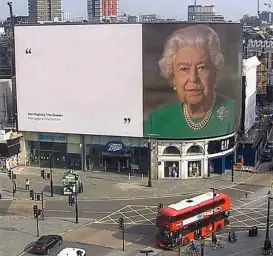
<point x="231" y="9"/>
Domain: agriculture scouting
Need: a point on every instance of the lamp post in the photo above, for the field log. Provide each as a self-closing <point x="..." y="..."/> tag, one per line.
<point x="267" y="241"/>
<point x="51" y="178"/>
<point x="213" y="217"/>
<point x="232" y="171"/>
<point x="202" y="245"/>
<point x="150" y="149"/>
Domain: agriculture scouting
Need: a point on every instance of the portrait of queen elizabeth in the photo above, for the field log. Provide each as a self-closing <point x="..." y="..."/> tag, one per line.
<point x="190" y="63"/>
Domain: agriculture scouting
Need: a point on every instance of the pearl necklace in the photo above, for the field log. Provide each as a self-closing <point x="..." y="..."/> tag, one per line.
<point x="200" y="125"/>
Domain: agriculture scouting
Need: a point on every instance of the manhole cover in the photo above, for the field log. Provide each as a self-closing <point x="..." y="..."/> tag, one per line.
<point x="9" y="229"/>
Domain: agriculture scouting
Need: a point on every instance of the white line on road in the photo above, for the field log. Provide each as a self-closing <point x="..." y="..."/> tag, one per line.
<point x="57" y="211"/>
<point x="245" y="251"/>
<point x="94" y="212"/>
<point x="139" y="214"/>
<point x="242" y="190"/>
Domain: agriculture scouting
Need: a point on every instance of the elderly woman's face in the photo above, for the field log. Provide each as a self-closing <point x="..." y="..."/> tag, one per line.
<point x="194" y="75"/>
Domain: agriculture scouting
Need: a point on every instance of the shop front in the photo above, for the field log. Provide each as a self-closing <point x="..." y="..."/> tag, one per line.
<point x="9" y="153"/>
<point x="186" y="160"/>
<point x="116" y="154"/>
<point x="181" y="161"/>
<point x="100" y="153"/>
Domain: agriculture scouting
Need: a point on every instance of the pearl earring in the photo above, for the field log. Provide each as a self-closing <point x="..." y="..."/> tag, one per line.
<point x="174" y="88"/>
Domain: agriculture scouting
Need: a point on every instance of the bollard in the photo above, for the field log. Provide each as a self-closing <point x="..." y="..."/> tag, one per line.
<point x="246" y="194"/>
<point x="129" y="176"/>
<point x="142" y="177"/>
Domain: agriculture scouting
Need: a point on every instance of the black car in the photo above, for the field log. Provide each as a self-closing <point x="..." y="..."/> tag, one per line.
<point x="267" y="155"/>
<point x="46" y="243"/>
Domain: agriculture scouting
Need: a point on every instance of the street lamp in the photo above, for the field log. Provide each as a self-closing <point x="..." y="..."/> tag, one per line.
<point x="232" y="170"/>
<point x="150" y="149"/>
<point x="213" y="217"/>
<point x="202" y="245"/>
<point x="51" y="178"/>
<point x="267" y="241"/>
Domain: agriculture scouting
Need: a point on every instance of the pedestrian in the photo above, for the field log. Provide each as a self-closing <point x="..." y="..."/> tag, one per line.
<point x="27" y="184"/>
<point x="14" y="185"/>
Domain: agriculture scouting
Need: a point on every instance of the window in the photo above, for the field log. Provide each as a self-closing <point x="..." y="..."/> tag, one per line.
<point x="195" y="150"/>
<point x="171" y="151"/>
<point x="199" y="210"/>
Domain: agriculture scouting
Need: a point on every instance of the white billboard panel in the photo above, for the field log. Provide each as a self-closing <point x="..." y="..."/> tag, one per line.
<point x="82" y="79"/>
<point x="250" y="72"/>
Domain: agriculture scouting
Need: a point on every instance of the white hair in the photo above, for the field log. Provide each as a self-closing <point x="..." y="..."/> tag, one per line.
<point x="198" y="34"/>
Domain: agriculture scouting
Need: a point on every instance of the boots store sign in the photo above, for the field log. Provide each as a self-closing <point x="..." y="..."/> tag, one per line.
<point x="115" y="147"/>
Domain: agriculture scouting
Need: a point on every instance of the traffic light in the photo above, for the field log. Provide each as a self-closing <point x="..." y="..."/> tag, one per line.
<point x="71" y="200"/>
<point x="31" y="194"/>
<point x="35" y="211"/>
<point x="9" y="174"/>
<point x="37" y="197"/>
<point x="48" y="176"/>
<point x="121" y="223"/>
<point x="159" y="206"/>
<point x="43" y="174"/>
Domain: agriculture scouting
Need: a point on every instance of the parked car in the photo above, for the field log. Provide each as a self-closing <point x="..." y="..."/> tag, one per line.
<point x="267" y="155"/>
<point x="72" y="252"/>
<point x="46" y="243"/>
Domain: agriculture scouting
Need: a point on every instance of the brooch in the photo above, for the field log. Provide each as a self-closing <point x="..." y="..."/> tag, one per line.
<point x="222" y="113"/>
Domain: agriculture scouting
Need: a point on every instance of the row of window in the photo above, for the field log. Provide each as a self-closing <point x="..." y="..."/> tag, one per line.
<point x="194" y="212"/>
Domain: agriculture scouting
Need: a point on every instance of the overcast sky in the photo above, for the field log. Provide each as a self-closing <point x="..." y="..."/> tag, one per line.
<point x="231" y="9"/>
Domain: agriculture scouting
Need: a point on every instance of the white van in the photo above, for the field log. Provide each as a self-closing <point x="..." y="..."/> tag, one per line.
<point x="72" y="252"/>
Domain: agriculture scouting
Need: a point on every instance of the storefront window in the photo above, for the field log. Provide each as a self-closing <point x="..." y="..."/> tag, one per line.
<point x="59" y="153"/>
<point x="194" y="168"/>
<point x="33" y="157"/>
<point x="171" y="169"/>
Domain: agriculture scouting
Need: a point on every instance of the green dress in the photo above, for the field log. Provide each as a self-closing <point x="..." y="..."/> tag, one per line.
<point x="169" y="121"/>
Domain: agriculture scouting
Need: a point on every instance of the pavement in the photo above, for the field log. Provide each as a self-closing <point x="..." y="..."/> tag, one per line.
<point x="105" y="185"/>
<point x="18" y="233"/>
<point x="108" y="196"/>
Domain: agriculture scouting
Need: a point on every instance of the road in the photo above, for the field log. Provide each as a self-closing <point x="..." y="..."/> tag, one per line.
<point x="99" y="217"/>
<point x="90" y="249"/>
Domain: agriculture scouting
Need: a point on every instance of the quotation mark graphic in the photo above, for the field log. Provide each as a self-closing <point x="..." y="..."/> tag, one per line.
<point x="127" y="120"/>
<point x="28" y="51"/>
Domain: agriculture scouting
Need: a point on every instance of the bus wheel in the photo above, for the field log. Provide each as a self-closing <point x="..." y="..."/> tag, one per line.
<point x="219" y="227"/>
<point x="186" y="240"/>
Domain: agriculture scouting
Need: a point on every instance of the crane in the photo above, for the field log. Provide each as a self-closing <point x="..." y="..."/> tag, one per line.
<point x="258" y="8"/>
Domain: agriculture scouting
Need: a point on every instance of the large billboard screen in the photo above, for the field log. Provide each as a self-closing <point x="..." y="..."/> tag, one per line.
<point x="192" y="80"/>
<point x="81" y="79"/>
<point x="171" y="81"/>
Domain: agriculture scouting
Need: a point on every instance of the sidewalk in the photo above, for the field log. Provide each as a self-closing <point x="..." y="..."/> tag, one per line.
<point x="245" y="246"/>
<point x="19" y="233"/>
<point x="106" y="185"/>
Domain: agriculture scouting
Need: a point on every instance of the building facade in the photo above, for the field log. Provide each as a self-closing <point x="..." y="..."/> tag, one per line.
<point x="98" y="10"/>
<point x="204" y="13"/>
<point x="167" y="159"/>
<point x="44" y="10"/>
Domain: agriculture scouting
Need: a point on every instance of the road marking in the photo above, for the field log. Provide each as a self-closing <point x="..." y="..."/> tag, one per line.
<point x="245" y="251"/>
<point x="57" y="210"/>
<point x="140" y="215"/>
<point x="126" y="217"/>
<point x="94" y="212"/>
<point x="250" y="218"/>
<point x="253" y="201"/>
<point x="242" y="190"/>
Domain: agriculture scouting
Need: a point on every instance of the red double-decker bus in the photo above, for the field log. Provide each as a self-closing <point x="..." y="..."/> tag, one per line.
<point x="177" y="224"/>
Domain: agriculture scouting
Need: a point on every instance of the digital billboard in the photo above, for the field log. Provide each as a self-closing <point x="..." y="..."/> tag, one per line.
<point x="80" y="79"/>
<point x="173" y="81"/>
<point x="192" y="79"/>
